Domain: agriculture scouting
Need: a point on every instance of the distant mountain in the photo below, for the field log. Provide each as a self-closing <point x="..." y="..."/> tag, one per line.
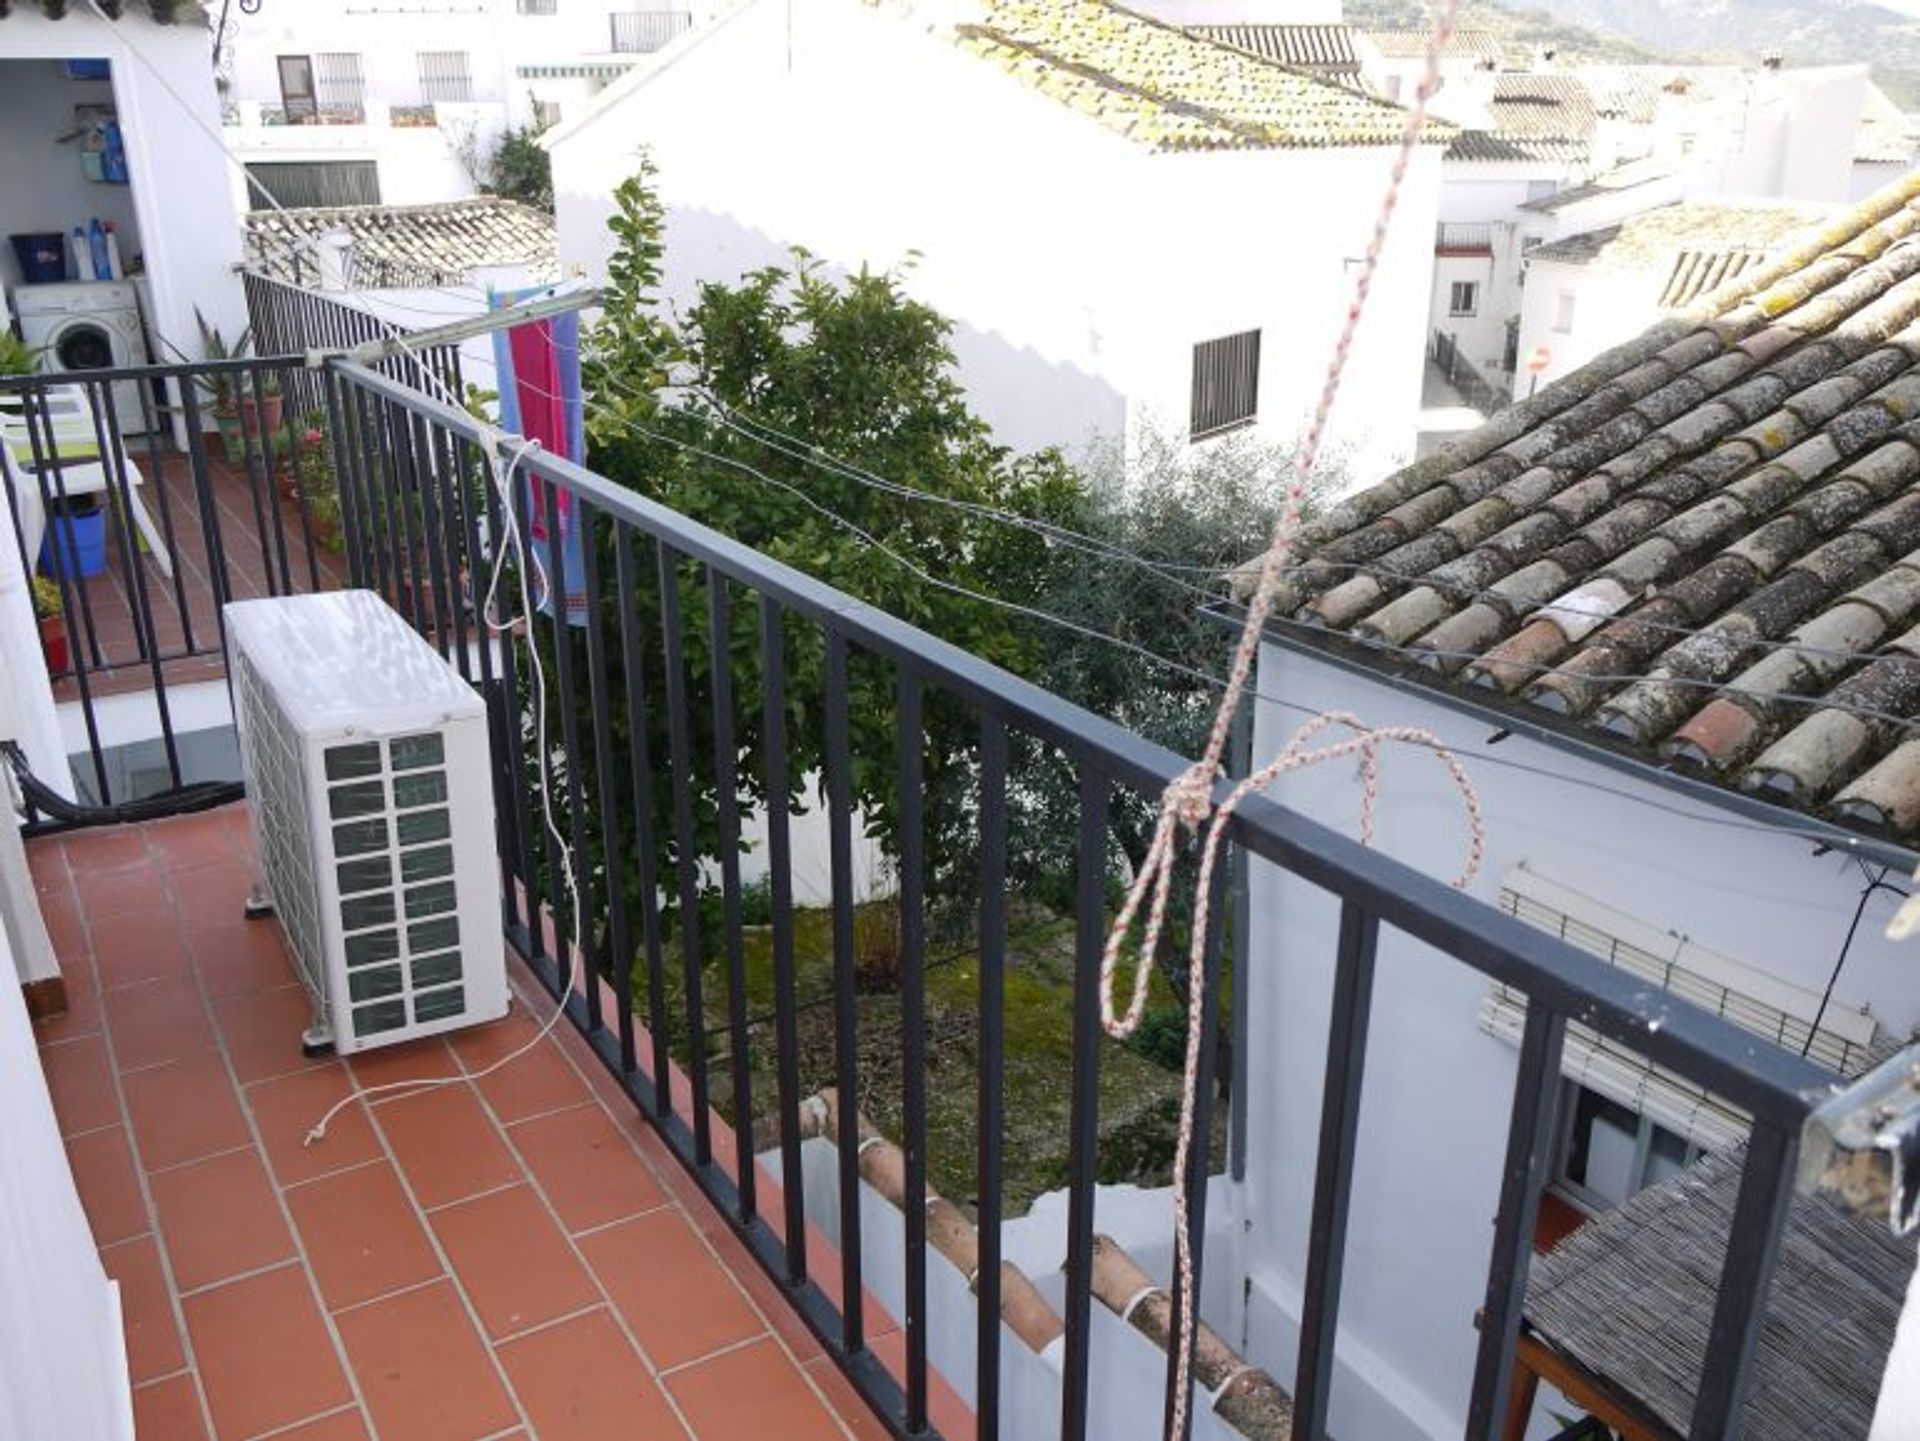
<point x="1804" y="32"/>
<point x="1520" y="31"/>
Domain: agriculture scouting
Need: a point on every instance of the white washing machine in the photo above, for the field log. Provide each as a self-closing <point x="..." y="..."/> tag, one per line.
<point x="88" y="325"/>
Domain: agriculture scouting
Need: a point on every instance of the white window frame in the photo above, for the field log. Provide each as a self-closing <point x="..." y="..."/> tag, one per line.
<point x="1584" y="1197"/>
<point x="1472" y="297"/>
<point x="1563" y="308"/>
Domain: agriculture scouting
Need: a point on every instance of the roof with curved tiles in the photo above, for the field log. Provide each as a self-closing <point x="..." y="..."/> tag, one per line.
<point x="1702" y="547"/>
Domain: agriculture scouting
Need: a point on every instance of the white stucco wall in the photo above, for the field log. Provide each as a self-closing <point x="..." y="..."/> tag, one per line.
<point x="1609" y="306"/>
<point x="63" y="1366"/>
<point x="1079" y="269"/>
<point x="418" y="165"/>
<point x="1437" y="1090"/>
<point x="163" y="93"/>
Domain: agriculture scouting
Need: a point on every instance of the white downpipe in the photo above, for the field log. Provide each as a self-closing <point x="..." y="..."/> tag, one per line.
<point x="1897" y="1416"/>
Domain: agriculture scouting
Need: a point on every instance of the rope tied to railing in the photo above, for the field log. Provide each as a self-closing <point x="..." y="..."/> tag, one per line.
<point x="1187" y="803"/>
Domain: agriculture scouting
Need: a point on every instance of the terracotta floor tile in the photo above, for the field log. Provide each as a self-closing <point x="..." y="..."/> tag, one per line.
<point x="154" y="1021"/>
<point x="109" y="1186"/>
<point x="138" y="943"/>
<point x="845" y="1402"/>
<point x="410" y="1061"/>
<point x="539" y="1081"/>
<point x="48" y="863"/>
<point x="423" y="1369"/>
<point x="763" y="1293"/>
<point x="751" y="1393"/>
<point x="341" y="1426"/>
<point x="153" y="1341"/>
<point x="114" y="894"/>
<point x="169" y="1410"/>
<point x="262" y="1033"/>
<point x="82" y="1016"/>
<point x="235" y="957"/>
<point x="447" y="1147"/>
<point x="65" y="927"/>
<point x="362" y="1236"/>
<point x="80" y="1080"/>
<point x="94" y="852"/>
<point x="186" y="842"/>
<point x="586" y="1166"/>
<point x="219" y="1218"/>
<point x="512" y="1260"/>
<point x="581" y="1381"/>
<point x="184" y="1110"/>
<point x="659" y="1255"/>
<point x="264" y="1354"/>
<point x="218" y="888"/>
<point x="286" y="1109"/>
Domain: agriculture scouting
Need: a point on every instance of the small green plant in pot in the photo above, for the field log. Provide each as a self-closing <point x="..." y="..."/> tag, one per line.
<point x="241" y="408"/>
<point x="16" y="356"/>
<point x="50" y="615"/>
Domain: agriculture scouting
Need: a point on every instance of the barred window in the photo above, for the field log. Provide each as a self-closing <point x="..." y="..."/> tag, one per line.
<point x="340" y="85"/>
<point x="445" y="77"/>
<point x="1226" y="384"/>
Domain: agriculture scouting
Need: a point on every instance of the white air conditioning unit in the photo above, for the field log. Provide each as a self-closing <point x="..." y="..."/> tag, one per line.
<point x="367" y="772"/>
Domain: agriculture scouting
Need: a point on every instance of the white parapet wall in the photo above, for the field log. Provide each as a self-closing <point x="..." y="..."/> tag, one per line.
<point x="1127" y="1386"/>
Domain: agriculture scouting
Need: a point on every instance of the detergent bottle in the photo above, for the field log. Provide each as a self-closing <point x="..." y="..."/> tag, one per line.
<point x="97" y="250"/>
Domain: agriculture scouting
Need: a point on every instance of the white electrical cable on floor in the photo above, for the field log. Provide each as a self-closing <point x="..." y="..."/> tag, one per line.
<point x="493" y="440"/>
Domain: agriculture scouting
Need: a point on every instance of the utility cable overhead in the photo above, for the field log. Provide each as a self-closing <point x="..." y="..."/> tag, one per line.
<point x="1218" y="682"/>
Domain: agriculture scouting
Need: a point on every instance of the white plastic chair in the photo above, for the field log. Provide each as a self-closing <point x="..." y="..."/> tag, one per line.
<point x="76" y="452"/>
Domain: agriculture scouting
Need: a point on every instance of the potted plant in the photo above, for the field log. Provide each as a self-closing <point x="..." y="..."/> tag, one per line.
<point x="16" y="356"/>
<point x="242" y="410"/>
<point x="260" y="408"/>
<point x="50" y="615"/>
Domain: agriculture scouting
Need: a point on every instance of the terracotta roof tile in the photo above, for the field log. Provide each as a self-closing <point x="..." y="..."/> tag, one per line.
<point x="1698" y="545"/>
<point x="406" y="246"/>
<point x="1324" y="49"/>
<point x="1170" y="89"/>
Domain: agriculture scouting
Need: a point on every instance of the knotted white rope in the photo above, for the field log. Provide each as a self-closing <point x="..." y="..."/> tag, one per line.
<point x="1186" y="806"/>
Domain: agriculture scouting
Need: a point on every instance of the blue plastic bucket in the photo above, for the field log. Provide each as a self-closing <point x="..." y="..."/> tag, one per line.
<point x="82" y="538"/>
<point x="42" y="256"/>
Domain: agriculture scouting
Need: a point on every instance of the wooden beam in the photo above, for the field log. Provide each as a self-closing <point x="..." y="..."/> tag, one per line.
<point x="1593" y="1394"/>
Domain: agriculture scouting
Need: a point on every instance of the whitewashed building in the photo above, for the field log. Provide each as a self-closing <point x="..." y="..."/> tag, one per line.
<point x="173" y="215"/>
<point x="1127" y="225"/>
<point x="378" y="101"/>
<point x="1662" y="612"/>
<point x="1554" y="151"/>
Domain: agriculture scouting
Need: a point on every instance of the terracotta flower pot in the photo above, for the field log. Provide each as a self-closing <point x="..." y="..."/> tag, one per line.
<point x="53" y="644"/>
<point x="260" y="415"/>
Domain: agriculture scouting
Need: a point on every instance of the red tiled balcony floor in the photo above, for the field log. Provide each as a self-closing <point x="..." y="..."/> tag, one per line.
<point x="513" y="1256"/>
<point x="255" y="520"/>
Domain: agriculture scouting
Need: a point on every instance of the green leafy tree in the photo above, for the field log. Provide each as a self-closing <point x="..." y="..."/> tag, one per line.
<point x="520" y="168"/>
<point x="864" y="373"/>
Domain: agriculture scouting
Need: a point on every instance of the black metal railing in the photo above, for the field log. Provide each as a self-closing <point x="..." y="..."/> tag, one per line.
<point x="1464" y="376"/>
<point x="295" y="321"/>
<point x="641" y="32"/>
<point x="142" y="500"/>
<point x="658" y="754"/>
